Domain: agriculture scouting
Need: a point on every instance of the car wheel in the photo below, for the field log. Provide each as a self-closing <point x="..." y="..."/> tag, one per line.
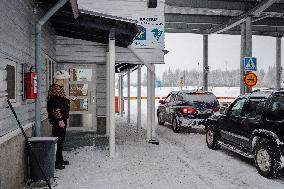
<point x="212" y="138"/>
<point x="176" y="125"/>
<point x="267" y="160"/>
<point x="160" y="119"/>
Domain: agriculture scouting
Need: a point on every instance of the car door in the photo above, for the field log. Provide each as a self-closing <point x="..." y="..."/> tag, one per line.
<point x="170" y="107"/>
<point x="232" y="120"/>
<point x="165" y="108"/>
<point x="251" y="120"/>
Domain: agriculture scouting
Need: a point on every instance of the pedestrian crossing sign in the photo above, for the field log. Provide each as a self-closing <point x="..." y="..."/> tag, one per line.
<point x="250" y="64"/>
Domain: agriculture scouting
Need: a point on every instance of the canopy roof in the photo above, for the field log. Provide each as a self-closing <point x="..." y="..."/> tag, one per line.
<point x="224" y="16"/>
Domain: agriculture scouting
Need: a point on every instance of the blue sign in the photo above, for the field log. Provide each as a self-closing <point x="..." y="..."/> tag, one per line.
<point x="158" y="83"/>
<point x="250" y="64"/>
<point x="142" y="35"/>
<point x="157" y="33"/>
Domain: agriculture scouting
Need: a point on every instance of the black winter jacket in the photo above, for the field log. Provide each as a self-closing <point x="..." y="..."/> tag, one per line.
<point x="58" y="106"/>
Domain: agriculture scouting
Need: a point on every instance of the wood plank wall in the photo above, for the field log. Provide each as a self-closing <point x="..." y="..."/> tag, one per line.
<point x="17" y="43"/>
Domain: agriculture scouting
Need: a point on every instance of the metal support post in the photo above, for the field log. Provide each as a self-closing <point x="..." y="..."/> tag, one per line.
<point x="151" y="124"/>
<point x="149" y="105"/>
<point x="248" y="42"/>
<point x="243" y="47"/>
<point x="112" y="93"/>
<point x="121" y="96"/>
<point x="278" y="63"/>
<point x="108" y="92"/>
<point x="128" y="95"/>
<point x="38" y="62"/>
<point x="139" y="98"/>
<point x="205" y="63"/>
<point x="153" y="100"/>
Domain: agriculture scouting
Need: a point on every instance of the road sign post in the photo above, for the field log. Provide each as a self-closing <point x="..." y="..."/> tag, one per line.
<point x="181" y="83"/>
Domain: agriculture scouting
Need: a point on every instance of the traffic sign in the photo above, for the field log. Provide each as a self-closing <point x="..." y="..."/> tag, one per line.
<point x="181" y="82"/>
<point x="250" y="64"/>
<point x="250" y="79"/>
<point x="158" y="83"/>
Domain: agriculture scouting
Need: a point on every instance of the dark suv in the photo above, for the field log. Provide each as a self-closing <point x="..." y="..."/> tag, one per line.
<point x="252" y="126"/>
<point x="187" y="108"/>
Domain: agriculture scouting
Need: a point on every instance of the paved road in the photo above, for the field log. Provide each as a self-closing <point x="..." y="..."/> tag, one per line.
<point x="216" y="169"/>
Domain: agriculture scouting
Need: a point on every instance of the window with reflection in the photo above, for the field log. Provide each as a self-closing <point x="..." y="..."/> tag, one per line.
<point x="78" y="89"/>
<point x="81" y="74"/>
<point x="79" y="105"/>
<point x="237" y="107"/>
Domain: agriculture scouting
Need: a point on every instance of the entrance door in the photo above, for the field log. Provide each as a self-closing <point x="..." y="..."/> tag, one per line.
<point x="82" y="85"/>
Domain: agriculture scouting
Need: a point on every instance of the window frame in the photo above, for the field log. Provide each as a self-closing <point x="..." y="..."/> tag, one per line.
<point x="242" y="109"/>
<point x="247" y="104"/>
<point x="14" y="64"/>
<point x="50" y="70"/>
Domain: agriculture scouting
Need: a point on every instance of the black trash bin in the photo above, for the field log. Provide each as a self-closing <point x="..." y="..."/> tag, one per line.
<point x="44" y="150"/>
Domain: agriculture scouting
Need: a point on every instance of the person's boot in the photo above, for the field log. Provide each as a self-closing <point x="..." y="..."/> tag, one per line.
<point x="59" y="166"/>
<point x="65" y="163"/>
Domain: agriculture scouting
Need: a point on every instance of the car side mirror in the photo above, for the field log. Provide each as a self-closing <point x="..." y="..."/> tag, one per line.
<point x="161" y="101"/>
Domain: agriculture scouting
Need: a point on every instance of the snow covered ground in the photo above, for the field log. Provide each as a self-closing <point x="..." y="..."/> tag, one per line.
<point x="182" y="160"/>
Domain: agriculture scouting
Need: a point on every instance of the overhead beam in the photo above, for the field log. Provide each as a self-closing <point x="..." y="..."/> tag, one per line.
<point x="213" y="4"/>
<point x="255" y="11"/>
<point x="198" y="19"/>
<point x="224" y="4"/>
<point x="201" y="27"/>
<point x="215" y="12"/>
<point x="230" y="32"/>
<point x="201" y="11"/>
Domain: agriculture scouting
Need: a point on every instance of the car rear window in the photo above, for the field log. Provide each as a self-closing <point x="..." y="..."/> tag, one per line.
<point x="203" y="97"/>
<point x="209" y="99"/>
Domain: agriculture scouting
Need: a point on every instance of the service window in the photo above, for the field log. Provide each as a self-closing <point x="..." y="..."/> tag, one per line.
<point x="237" y="107"/>
<point x="11" y="78"/>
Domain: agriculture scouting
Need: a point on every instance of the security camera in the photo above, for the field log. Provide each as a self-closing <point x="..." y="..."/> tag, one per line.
<point x="152" y="3"/>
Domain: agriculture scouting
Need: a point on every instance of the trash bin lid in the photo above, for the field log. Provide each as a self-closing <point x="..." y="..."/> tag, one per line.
<point x="43" y="139"/>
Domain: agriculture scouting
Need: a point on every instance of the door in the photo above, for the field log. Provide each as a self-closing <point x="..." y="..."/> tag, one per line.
<point x="230" y="127"/>
<point x="252" y="121"/>
<point x="169" y="107"/>
<point x="82" y="85"/>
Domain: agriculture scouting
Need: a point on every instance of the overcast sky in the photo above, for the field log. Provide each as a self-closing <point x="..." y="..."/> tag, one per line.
<point x="186" y="51"/>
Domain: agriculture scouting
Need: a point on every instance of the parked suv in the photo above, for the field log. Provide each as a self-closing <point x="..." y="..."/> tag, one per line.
<point x="187" y="108"/>
<point x="252" y="126"/>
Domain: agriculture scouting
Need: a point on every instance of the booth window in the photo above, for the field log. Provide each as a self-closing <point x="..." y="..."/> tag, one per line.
<point x="11" y="79"/>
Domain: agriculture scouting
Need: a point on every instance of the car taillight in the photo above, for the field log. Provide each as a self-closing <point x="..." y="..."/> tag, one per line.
<point x="188" y="110"/>
<point x="217" y="109"/>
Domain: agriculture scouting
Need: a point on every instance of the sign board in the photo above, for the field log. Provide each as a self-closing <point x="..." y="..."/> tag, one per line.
<point x="152" y="35"/>
<point x="158" y="83"/>
<point x="250" y="79"/>
<point x="181" y="82"/>
<point x="250" y="64"/>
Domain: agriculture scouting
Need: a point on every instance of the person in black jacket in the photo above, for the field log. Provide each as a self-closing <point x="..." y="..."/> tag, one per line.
<point x="58" y="113"/>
